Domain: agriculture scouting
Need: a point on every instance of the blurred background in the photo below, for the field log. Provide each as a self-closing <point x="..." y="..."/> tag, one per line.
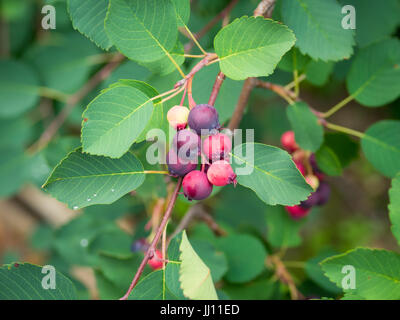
<point x="36" y="228"/>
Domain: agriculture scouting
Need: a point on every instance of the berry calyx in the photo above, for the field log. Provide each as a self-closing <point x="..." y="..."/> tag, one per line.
<point x="196" y="186"/>
<point x="177" y="117"/>
<point x="217" y="146"/>
<point x="288" y="142"/>
<point x="177" y="166"/>
<point x="203" y="117"/>
<point x="297" y="212"/>
<point x="155" y="262"/>
<point x="220" y="173"/>
<point x="187" y="143"/>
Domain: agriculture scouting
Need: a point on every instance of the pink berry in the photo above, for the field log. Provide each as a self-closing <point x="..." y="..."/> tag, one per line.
<point x="196" y="186"/>
<point x="156" y="261"/>
<point x="177" y="117"/>
<point x="221" y="173"/>
<point x="301" y="167"/>
<point x="297" y="212"/>
<point x="288" y="142"/>
<point x="217" y="146"/>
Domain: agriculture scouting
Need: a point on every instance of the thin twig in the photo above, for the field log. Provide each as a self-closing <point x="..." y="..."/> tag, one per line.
<point x="216" y="87"/>
<point x="264" y="7"/>
<point x="211" y="24"/>
<point x="72" y="101"/>
<point x="152" y="247"/>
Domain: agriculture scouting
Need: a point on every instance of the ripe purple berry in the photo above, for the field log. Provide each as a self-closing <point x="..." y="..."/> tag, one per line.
<point x="203" y="117"/>
<point x="221" y="173"/>
<point x="324" y="192"/>
<point x="217" y="146"/>
<point x="196" y="186"/>
<point x="187" y="143"/>
<point x="179" y="167"/>
<point x="139" y="245"/>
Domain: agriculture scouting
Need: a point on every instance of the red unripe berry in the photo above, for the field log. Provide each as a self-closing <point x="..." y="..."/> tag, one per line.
<point x="217" y="146"/>
<point x="177" y="166"/>
<point x="301" y="167"/>
<point x="220" y="173"/>
<point x="203" y="117"/>
<point x="297" y="212"/>
<point x="156" y="261"/>
<point x="177" y="117"/>
<point x="288" y="142"/>
<point x="196" y="186"/>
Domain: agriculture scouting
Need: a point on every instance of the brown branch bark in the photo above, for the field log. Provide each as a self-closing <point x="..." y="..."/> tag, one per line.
<point x="150" y="251"/>
<point x="72" y="101"/>
<point x="216" y="87"/>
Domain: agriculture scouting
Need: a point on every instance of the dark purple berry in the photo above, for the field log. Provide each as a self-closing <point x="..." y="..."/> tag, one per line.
<point x="311" y="201"/>
<point x="187" y="143"/>
<point x="324" y="192"/>
<point x="139" y="245"/>
<point x="196" y="186"/>
<point x="203" y="117"/>
<point x="177" y="166"/>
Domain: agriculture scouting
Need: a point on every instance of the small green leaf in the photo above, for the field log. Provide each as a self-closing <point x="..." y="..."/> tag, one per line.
<point x="308" y="132"/>
<point x="23" y="281"/>
<point x="270" y="173"/>
<point x="142" y="30"/>
<point x="318" y="28"/>
<point x="374" y="76"/>
<point x="318" y="72"/>
<point x="195" y="276"/>
<point x="19" y="88"/>
<point x="246" y="257"/>
<point x="394" y="206"/>
<point x="81" y="180"/>
<point x="252" y="47"/>
<point x="377" y="272"/>
<point x="381" y="145"/>
<point x="328" y="161"/>
<point x="88" y="17"/>
<point x="115" y="119"/>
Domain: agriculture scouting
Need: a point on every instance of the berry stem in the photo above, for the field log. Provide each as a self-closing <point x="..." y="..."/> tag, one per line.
<point x="216" y="87"/>
<point x="338" y="106"/>
<point x="344" y="130"/>
<point x="183" y="96"/>
<point x="192" y="103"/>
<point x="156" y="238"/>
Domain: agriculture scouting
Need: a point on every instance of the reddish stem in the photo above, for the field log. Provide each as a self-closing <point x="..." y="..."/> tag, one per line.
<point x="216" y="87"/>
<point x="150" y="251"/>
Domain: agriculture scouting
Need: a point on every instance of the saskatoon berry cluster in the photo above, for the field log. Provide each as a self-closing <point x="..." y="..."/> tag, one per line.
<point x="188" y="146"/>
<point x="312" y="174"/>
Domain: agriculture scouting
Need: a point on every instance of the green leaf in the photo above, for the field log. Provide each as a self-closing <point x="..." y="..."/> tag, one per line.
<point x="252" y="47"/>
<point x="265" y="289"/>
<point x="23" y="281"/>
<point x="282" y="231"/>
<point x="328" y="161"/>
<point x="195" y="276"/>
<point x="215" y="260"/>
<point x="308" y="132"/>
<point x="81" y="180"/>
<point x="88" y="18"/>
<point x="15" y="132"/>
<point x="394" y="206"/>
<point x="151" y="288"/>
<point x="115" y="119"/>
<point x="345" y="148"/>
<point x="315" y="273"/>
<point x="318" y="72"/>
<point x="164" y="65"/>
<point x="287" y="62"/>
<point x="246" y="257"/>
<point x="182" y="9"/>
<point x="19" y="90"/>
<point x="65" y="64"/>
<point x="142" y="30"/>
<point x="374" y="76"/>
<point x="377" y="272"/>
<point x="373" y="20"/>
<point x="318" y="28"/>
<point x="381" y="145"/>
<point x="270" y="173"/>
